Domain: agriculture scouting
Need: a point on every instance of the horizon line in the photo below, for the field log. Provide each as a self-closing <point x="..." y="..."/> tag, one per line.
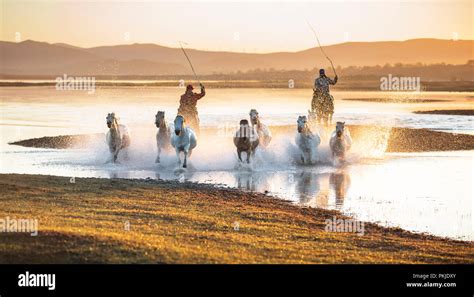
<point x="228" y="51"/>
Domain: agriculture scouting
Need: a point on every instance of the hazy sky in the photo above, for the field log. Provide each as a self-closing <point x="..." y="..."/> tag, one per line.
<point x="263" y="26"/>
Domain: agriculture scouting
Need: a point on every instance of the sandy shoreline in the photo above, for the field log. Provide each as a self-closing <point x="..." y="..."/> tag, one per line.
<point x="172" y="222"/>
<point x="399" y="139"/>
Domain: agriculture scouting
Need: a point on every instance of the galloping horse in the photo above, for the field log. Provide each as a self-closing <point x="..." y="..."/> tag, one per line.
<point x="246" y="140"/>
<point x="264" y="134"/>
<point x="340" y="141"/>
<point x="306" y="140"/>
<point x="163" y="136"/>
<point x="183" y="140"/>
<point x="117" y="137"/>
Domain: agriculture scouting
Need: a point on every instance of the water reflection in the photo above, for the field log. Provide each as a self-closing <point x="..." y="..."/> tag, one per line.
<point x="339" y="182"/>
<point x="307" y="186"/>
<point x="114" y="174"/>
<point x="246" y="181"/>
<point x="254" y="181"/>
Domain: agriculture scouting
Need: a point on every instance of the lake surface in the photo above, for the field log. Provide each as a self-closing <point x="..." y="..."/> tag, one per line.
<point x="428" y="192"/>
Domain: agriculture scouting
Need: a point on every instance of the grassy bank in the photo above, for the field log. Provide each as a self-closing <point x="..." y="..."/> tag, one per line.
<point x="170" y="222"/>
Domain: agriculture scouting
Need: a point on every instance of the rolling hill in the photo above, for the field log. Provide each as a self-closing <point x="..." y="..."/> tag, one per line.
<point x="40" y="58"/>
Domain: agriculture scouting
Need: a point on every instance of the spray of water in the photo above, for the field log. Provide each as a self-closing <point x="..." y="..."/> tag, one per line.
<point x="371" y="142"/>
<point x="216" y="151"/>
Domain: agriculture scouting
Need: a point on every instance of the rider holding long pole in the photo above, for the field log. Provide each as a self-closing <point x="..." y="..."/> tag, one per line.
<point x="188" y="101"/>
<point x="188" y="107"/>
<point x="323" y="102"/>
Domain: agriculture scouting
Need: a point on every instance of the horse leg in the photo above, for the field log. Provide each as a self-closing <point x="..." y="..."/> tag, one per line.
<point x="125" y="154"/>
<point x="158" y="156"/>
<point x="248" y="156"/>
<point x="239" y="154"/>
<point x="177" y="156"/>
<point x="185" y="159"/>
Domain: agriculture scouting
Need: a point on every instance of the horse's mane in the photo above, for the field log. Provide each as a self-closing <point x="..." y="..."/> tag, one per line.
<point x="115" y="127"/>
<point x="163" y="128"/>
<point x="308" y="129"/>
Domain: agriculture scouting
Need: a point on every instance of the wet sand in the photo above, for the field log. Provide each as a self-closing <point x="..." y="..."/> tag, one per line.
<point x="147" y="221"/>
<point x="464" y="112"/>
<point x="399" y="140"/>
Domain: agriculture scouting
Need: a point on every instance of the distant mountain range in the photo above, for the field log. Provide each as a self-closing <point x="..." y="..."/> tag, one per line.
<point x="40" y="58"/>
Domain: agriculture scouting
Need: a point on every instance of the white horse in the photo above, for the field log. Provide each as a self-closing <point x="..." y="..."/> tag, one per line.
<point x="183" y="140"/>
<point x="246" y="140"/>
<point x="340" y="141"/>
<point x="163" y="136"/>
<point x="117" y="138"/>
<point x="306" y="141"/>
<point x="264" y="134"/>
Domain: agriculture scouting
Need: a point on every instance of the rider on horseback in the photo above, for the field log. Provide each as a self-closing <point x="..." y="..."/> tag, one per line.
<point x="188" y="109"/>
<point x="323" y="102"/>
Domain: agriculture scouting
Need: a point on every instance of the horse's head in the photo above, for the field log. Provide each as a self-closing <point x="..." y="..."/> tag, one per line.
<point x="340" y="128"/>
<point x="159" y="118"/>
<point x="178" y="124"/>
<point x="253" y="116"/>
<point x="302" y="120"/>
<point x="111" y="119"/>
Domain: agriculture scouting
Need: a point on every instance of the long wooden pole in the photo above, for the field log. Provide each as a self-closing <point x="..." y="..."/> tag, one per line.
<point x="321" y="48"/>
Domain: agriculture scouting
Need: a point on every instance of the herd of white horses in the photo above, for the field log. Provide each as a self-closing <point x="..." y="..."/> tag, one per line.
<point x="248" y="138"/>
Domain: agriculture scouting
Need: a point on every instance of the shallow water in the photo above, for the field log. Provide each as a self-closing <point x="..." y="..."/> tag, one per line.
<point x="422" y="192"/>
